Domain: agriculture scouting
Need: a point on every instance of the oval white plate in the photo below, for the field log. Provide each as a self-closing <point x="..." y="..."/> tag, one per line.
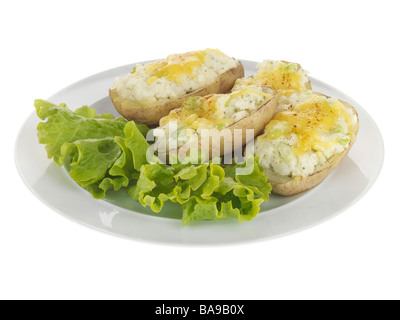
<point x="122" y="216"/>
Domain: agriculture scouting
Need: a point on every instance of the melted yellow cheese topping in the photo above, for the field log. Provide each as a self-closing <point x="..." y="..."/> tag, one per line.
<point x="308" y="120"/>
<point x="283" y="76"/>
<point x="198" y="112"/>
<point x="209" y="111"/>
<point x="279" y="79"/>
<point x="176" y="65"/>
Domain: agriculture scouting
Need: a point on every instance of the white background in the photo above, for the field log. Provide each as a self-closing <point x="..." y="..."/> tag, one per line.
<point x="352" y="45"/>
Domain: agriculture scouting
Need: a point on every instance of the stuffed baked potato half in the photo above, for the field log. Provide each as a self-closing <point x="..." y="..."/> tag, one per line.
<point x="216" y="124"/>
<point x="278" y="74"/>
<point x="152" y="90"/>
<point x="305" y="141"/>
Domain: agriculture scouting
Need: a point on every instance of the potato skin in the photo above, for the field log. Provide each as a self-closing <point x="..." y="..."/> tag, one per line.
<point x="256" y="121"/>
<point x="292" y="186"/>
<point x="308" y="85"/>
<point x="131" y="110"/>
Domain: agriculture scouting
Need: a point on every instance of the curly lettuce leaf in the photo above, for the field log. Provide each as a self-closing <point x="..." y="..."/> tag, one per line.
<point x="205" y="191"/>
<point x="90" y="159"/>
<point x="99" y="151"/>
<point x="66" y="126"/>
<point x="103" y="153"/>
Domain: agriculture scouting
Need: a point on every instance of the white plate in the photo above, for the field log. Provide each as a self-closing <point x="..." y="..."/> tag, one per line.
<point x="121" y="216"/>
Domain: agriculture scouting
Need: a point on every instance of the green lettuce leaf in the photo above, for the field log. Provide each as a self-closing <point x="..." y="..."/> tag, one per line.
<point x="64" y="125"/>
<point x="99" y="151"/>
<point x="103" y="153"/>
<point x="206" y="191"/>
